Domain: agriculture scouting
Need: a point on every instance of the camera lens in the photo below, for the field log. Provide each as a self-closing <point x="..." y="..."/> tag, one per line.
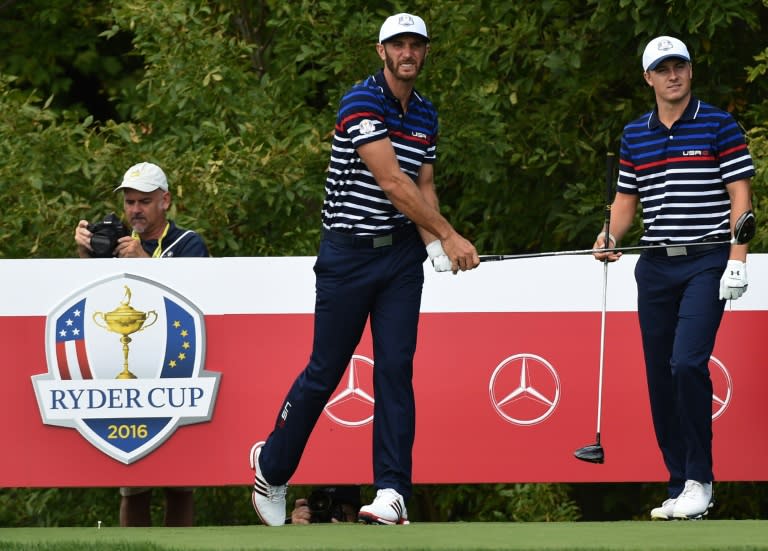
<point x="103" y="244"/>
<point x="320" y="506"/>
<point x="105" y="236"/>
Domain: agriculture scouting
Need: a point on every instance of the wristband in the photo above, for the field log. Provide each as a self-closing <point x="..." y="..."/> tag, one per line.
<point x="435" y="249"/>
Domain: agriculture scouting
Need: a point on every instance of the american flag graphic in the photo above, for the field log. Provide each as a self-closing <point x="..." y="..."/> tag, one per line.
<point x="70" y="344"/>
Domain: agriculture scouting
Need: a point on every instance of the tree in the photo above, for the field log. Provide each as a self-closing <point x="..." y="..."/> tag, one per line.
<point x="240" y="109"/>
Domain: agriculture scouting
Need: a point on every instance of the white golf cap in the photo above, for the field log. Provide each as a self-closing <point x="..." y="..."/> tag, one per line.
<point x="402" y="23"/>
<point x="146" y="177"/>
<point x="662" y="48"/>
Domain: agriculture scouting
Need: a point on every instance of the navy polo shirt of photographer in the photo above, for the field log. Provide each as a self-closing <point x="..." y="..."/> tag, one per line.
<point x="176" y="242"/>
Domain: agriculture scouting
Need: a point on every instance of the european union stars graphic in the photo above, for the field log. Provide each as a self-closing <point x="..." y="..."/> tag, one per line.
<point x="181" y="345"/>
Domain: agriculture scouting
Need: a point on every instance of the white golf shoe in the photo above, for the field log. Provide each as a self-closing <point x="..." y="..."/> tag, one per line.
<point x="694" y="502"/>
<point x="666" y="510"/>
<point x="268" y="500"/>
<point x="387" y="508"/>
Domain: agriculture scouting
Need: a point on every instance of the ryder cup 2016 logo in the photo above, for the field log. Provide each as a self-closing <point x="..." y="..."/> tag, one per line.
<point x="125" y="366"/>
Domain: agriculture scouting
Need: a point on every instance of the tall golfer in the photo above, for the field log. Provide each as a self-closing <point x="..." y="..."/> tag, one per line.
<point x="380" y="210"/>
<point x="687" y="164"/>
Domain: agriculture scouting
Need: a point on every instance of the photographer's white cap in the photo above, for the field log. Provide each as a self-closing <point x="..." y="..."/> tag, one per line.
<point x="662" y="48"/>
<point x="402" y="23"/>
<point x="146" y="177"/>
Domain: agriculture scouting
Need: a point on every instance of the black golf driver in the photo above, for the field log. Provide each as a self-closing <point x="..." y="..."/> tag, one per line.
<point x="743" y="232"/>
<point x="594" y="453"/>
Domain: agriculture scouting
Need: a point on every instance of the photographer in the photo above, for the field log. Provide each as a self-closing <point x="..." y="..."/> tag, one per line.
<point x="146" y="200"/>
<point x="327" y="504"/>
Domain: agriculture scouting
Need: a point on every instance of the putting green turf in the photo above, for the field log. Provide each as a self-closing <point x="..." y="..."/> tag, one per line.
<point x="629" y="535"/>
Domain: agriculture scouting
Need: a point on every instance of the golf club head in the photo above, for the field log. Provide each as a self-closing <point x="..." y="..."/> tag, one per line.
<point x="592" y="454"/>
<point x="744" y="229"/>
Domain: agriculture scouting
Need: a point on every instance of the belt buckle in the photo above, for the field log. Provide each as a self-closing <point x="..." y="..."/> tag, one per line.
<point x="677" y="251"/>
<point x="382" y="241"/>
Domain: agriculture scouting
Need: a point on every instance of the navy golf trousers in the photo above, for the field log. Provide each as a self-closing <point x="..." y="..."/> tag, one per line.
<point x="355" y="281"/>
<point x="680" y="312"/>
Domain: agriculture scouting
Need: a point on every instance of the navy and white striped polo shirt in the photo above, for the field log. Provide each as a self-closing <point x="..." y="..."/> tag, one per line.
<point x="680" y="173"/>
<point x="354" y="202"/>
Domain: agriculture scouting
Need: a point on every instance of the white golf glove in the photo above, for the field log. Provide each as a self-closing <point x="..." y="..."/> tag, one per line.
<point x="437" y="255"/>
<point x="733" y="284"/>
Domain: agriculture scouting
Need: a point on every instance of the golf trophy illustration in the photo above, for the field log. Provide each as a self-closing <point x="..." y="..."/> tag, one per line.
<point x="125" y="320"/>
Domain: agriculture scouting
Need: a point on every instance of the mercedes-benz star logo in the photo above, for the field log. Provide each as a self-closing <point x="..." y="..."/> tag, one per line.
<point x="352" y="405"/>
<point x="524" y="389"/>
<point x="722" y="387"/>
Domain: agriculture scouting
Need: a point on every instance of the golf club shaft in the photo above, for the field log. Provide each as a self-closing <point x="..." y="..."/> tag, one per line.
<point x="594" y="453"/>
<point x="602" y="349"/>
<point x="743" y="232"/>
<point x="610" y="164"/>
<point x="493" y="258"/>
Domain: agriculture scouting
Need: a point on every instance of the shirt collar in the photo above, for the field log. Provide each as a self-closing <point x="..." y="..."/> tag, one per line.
<point x="690" y="113"/>
<point x="380" y="81"/>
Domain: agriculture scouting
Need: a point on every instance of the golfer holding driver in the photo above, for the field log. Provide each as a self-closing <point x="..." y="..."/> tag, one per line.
<point x="687" y="164"/>
<point x="380" y="210"/>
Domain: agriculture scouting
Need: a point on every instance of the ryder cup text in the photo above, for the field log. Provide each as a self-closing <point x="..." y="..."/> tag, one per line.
<point x="94" y="399"/>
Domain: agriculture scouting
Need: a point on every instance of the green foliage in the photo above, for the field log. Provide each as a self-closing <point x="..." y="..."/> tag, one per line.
<point x="55" y="47"/>
<point x="59" y="507"/>
<point x="49" y="161"/>
<point x="237" y="102"/>
<point x="231" y="505"/>
<point x="493" y="503"/>
<point x="538" y="503"/>
<point x="758" y="145"/>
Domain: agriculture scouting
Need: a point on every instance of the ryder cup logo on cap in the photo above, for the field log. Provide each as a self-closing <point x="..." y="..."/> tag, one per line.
<point x="146" y="177"/>
<point x="402" y="23"/>
<point x="662" y="48"/>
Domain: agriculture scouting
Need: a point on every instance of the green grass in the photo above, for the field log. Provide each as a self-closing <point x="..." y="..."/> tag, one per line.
<point x="626" y="535"/>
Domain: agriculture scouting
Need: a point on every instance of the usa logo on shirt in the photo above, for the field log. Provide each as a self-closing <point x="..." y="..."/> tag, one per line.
<point x="125" y="362"/>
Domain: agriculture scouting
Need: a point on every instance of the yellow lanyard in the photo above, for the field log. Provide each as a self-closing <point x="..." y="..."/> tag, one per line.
<point x="159" y="248"/>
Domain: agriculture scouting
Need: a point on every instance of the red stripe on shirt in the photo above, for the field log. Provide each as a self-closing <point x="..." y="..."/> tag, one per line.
<point x="676" y="160"/>
<point x="741" y="147"/>
<point x="359" y="115"/>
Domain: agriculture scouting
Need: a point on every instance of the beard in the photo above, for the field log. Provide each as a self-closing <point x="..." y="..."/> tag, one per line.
<point x="393" y="68"/>
<point x="139" y="225"/>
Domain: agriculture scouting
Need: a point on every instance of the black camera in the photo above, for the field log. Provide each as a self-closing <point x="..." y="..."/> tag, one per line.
<point x="326" y="503"/>
<point x="105" y="236"/>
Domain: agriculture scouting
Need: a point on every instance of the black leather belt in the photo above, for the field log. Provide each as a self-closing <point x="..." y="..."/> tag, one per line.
<point x="682" y="250"/>
<point x="370" y="241"/>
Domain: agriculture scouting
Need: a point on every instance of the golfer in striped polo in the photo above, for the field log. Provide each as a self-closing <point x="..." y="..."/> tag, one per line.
<point x="686" y="162"/>
<point x="380" y="211"/>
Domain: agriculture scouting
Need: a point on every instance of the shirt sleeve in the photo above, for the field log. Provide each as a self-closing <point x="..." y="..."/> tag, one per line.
<point x="733" y="154"/>
<point x="627" y="182"/>
<point x="361" y="116"/>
